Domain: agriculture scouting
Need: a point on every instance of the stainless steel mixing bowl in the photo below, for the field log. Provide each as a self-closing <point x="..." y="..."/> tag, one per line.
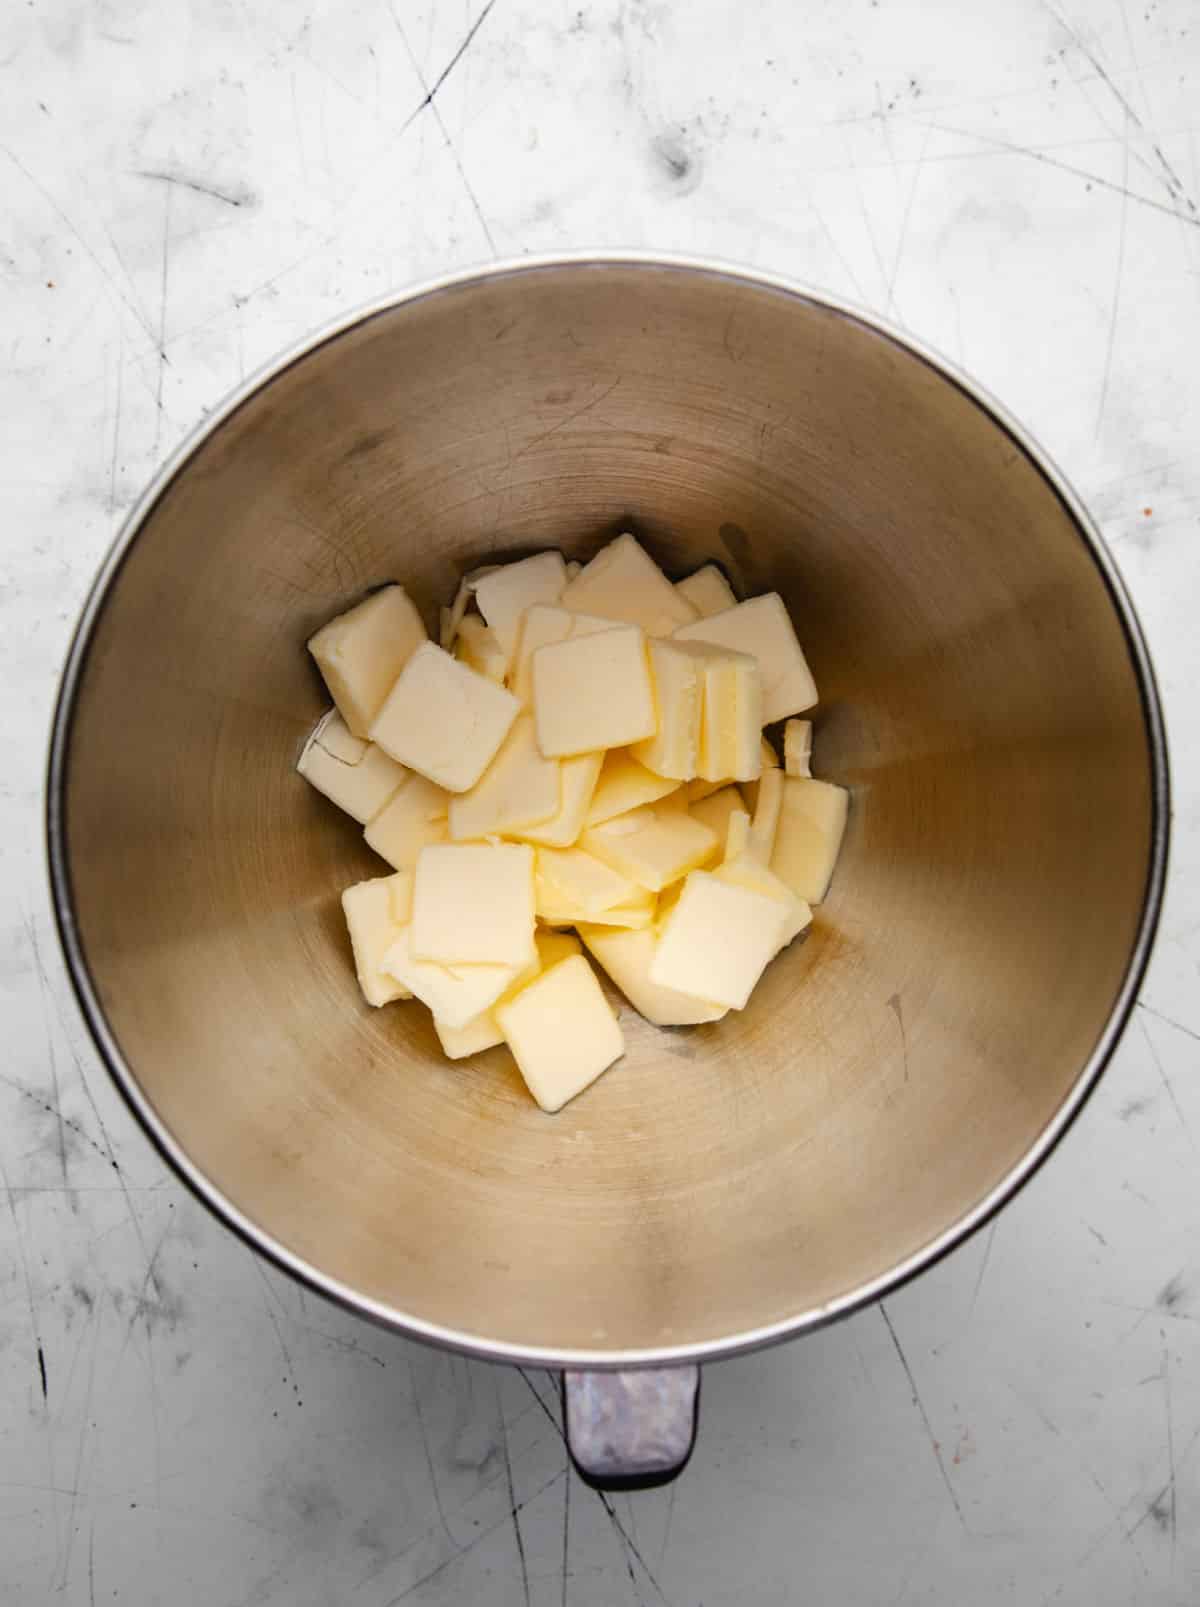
<point x="986" y="696"/>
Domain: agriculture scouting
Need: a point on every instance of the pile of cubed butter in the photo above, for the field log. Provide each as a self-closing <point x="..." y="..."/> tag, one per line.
<point x="584" y="749"/>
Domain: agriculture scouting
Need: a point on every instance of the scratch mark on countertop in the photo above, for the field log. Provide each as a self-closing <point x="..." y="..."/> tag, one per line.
<point x="1084" y="173"/>
<point x="902" y="238"/>
<point x="438" y="118"/>
<point x="512" y="1498"/>
<point x="441" y="78"/>
<point x="1166" y="1081"/>
<point x="236" y="198"/>
<point x="566" y="1533"/>
<point x="625" y="1537"/>
<point x="920" y="1405"/>
<point x="415" y="1397"/>
<point x="162" y="315"/>
<point x="1170" y="180"/>
<point x="476" y="1540"/>
<point x="983" y="1266"/>
<point x="1166" y="1378"/>
<point x="1116" y="294"/>
<point x="1188" y="1032"/>
<point x="130" y="307"/>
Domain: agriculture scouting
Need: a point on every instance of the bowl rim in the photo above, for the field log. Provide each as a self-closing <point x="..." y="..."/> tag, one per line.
<point x="472" y="1343"/>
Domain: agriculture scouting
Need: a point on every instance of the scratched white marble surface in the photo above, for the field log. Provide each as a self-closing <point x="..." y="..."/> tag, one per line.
<point x="188" y="188"/>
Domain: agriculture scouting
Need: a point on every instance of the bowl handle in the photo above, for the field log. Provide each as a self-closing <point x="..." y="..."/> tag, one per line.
<point x="631" y="1430"/>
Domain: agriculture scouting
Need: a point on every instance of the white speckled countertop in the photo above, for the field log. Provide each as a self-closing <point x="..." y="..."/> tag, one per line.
<point x="187" y="189"/>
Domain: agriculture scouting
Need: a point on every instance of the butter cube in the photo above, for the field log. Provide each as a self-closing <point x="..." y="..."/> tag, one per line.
<point x="797" y="748"/>
<point x="355" y="775"/>
<point x="473" y="904"/>
<point x="623" y="582"/>
<point x="443" y="719"/>
<point x="592" y="692"/>
<point x="747" y="870"/>
<point x="562" y="1032"/>
<point x="480" y="1034"/>
<point x="627" y="957"/>
<point x="455" y="993"/>
<point x="484" y="1032"/>
<point x="577" y="785"/>
<point x="568" y="879"/>
<point x="767" y="808"/>
<point x="718" y="940"/>
<point x="737" y="835"/>
<point x="708" y="591"/>
<point x="762" y="628"/>
<point x="625" y="784"/>
<point x="678" y="675"/>
<point x="715" y="810"/>
<point x="518" y="789"/>
<point x="652" y="847"/>
<point x="361" y="652"/>
<point x="412" y="819"/>
<point x="476" y="647"/>
<point x="731" y="728"/>
<point x="376" y="911"/>
<point x="770" y="761"/>
<point x="811" y="823"/>
<point x="633" y="916"/>
<point x="542" y="626"/>
<point x="505" y="594"/>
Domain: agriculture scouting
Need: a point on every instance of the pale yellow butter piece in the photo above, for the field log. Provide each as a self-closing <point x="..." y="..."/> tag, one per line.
<point x="478" y="649"/>
<point x="455" y="994"/>
<point x="715" y="810"/>
<point x="770" y="761"/>
<point x="731" y="727"/>
<point x="677" y="673"/>
<point x="631" y="917"/>
<point x="518" y="789"/>
<point x="562" y="1032"/>
<point x="797" y="748"/>
<point x="625" y="784"/>
<point x="484" y="1032"/>
<point x="707" y="590"/>
<point x="570" y="879"/>
<point x="412" y="819"/>
<point x="452" y="617"/>
<point x="747" y="870"/>
<point x="718" y="940"/>
<point x="459" y="1042"/>
<point x="473" y="904"/>
<point x="592" y="692"/>
<point x="699" y="789"/>
<point x="627" y="957"/>
<point x="577" y="785"/>
<point x="737" y="835"/>
<point x="355" y="775"/>
<point x="542" y="626"/>
<point x="765" y="823"/>
<point x="811" y="823"/>
<point x="623" y="582"/>
<point x="761" y="627"/>
<point x="376" y="911"/>
<point x="443" y="719"/>
<point x="653" y="846"/>
<point x="505" y="594"/>
<point x="361" y="652"/>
